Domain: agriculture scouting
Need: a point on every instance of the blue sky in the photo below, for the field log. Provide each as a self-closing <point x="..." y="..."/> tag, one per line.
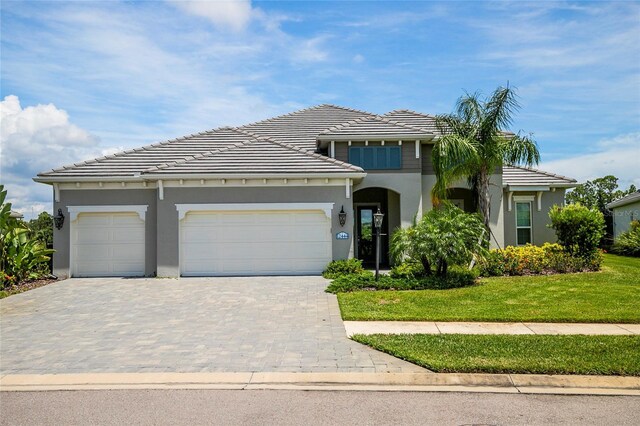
<point x="80" y="79"/>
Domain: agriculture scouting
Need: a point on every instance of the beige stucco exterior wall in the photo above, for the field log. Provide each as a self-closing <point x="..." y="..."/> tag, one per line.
<point x="622" y="217"/>
<point x="541" y="233"/>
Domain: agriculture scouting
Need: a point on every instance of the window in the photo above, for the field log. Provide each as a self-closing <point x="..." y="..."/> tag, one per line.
<point x="523" y="223"/>
<point x="376" y="157"/>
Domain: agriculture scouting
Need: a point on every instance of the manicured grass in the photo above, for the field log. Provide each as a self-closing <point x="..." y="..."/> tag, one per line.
<point x="526" y="354"/>
<point x="609" y="296"/>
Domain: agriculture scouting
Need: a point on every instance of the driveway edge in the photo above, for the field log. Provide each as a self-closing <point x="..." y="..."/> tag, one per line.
<point x="413" y="382"/>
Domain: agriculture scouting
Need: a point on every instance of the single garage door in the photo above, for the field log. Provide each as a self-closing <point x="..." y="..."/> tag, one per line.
<point x="254" y="243"/>
<point x="107" y="244"/>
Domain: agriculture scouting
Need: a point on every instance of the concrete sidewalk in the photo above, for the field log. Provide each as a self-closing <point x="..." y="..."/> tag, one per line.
<point x="414" y="382"/>
<point x="430" y="327"/>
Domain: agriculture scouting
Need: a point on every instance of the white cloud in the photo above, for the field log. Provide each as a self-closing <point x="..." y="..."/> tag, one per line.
<point x="311" y="50"/>
<point x="34" y="139"/>
<point x="617" y="156"/>
<point x="224" y="14"/>
<point x="358" y="59"/>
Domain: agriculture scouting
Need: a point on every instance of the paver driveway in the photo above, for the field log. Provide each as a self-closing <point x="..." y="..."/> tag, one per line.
<point x="185" y="325"/>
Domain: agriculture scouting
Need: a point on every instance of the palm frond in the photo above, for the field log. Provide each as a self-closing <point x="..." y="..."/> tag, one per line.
<point x="454" y="157"/>
<point x="520" y="150"/>
<point x="499" y="111"/>
<point x="469" y="108"/>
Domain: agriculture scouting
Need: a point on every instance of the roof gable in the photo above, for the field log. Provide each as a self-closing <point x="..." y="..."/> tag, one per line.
<point x="373" y="127"/>
<point x="301" y="128"/>
<point x="413" y="118"/>
<point x="256" y="156"/>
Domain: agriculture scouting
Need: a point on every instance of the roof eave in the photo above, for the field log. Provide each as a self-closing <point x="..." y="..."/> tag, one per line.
<point x="165" y="176"/>
<point x="537" y="187"/>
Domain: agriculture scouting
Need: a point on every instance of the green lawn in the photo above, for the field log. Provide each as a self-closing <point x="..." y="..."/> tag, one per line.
<point x="611" y="295"/>
<point x="526" y="354"/>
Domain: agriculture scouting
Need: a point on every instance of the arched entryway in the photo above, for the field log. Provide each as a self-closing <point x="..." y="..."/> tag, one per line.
<point x="365" y="203"/>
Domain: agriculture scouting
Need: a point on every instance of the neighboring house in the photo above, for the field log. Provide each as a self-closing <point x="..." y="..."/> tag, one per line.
<point x="265" y="198"/>
<point x="16" y="215"/>
<point x="625" y="210"/>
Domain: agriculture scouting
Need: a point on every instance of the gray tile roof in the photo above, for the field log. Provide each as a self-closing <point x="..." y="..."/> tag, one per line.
<point x="282" y="144"/>
<point x="415" y="119"/>
<point x="257" y="156"/>
<point x="628" y="199"/>
<point x="301" y="128"/>
<point x="133" y="161"/>
<point x="525" y="176"/>
<point x="373" y="126"/>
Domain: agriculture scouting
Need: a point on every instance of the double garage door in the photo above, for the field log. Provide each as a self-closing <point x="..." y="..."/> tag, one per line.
<point x="254" y="242"/>
<point x="211" y="243"/>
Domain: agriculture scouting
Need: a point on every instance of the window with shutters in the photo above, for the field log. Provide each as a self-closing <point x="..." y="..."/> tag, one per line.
<point x="376" y="157"/>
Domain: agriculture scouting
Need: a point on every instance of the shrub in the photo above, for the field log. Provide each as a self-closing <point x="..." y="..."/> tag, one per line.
<point x="455" y="278"/>
<point x="578" y="228"/>
<point x="407" y="270"/>
<point x="444" y="236"/>
<point x="628" y="243"/>
<point x="533" y="260"/>
<point x="339" y="268"/>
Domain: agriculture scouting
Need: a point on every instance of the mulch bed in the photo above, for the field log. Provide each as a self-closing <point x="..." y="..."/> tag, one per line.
<point x="26" y="286"/>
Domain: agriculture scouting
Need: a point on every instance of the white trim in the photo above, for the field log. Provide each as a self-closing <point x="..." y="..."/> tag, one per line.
<point x="332" y="149"/>
<point x="418" y="149"/>
<point x="74" y="211"/>
<point x="56" y="192"/>
<point x="160" y="190"/>
<point x="183" y="209"/>
<point x="539" y="196"/>
<point x="523" y="198"/>
<point x="510" y="199"/>
<point x="348" y="188"/>
<point x="528" y="188"/>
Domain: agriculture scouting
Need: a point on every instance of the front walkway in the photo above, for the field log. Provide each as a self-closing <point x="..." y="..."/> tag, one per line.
<point x="110" y="325"/>
<point x="430" y="327"/>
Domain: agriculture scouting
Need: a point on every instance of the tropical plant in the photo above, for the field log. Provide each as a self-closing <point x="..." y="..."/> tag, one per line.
<point x="473" y="145"/>
<point x="578" y="228"/>
<point x="42" y="228"/>
<point x="21" y="255"/>
<point x="339" y="268"/>
<point x="444" y="236"/>
<point x="628" y="243"/>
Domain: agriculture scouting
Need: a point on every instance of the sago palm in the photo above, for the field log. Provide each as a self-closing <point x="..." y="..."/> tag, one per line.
<point x="474" y="144"/>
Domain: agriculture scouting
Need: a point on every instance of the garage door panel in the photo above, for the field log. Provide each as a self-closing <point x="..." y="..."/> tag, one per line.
<point x="254" y="242"/>
<point x="108" y="244"/>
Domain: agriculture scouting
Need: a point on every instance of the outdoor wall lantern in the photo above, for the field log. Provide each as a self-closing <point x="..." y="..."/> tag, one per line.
<point x="59" y="219"/>
<point x="377" y="221"/>
<point x="342" y="217"/>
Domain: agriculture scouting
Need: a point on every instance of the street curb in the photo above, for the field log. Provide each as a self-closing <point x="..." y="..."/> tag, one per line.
<point x="412" y="382"/>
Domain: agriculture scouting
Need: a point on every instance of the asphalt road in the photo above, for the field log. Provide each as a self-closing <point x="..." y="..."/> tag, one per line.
<point x="227" y="407"/>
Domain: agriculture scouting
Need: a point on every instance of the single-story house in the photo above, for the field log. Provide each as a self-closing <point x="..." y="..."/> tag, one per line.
<point x="280" y="196"/>
<point x="625" y="210"/>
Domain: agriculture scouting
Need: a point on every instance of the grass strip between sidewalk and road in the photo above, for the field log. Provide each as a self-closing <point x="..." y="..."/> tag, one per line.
<point x="518" y="354"/>
<point x="609" y="296"/>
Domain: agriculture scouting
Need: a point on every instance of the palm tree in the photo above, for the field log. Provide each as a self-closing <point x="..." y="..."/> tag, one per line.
<point x="474" y="144"/>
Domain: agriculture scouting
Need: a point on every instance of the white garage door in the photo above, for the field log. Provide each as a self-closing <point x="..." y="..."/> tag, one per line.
<point x="254" y="243"/>
<point x="107" y="244"/>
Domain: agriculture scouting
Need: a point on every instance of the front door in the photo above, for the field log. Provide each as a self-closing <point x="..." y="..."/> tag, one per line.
<point x="366" y="234"/>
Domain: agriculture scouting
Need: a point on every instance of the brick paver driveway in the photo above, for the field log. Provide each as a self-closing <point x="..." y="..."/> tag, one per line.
<point x="185" y="325"/>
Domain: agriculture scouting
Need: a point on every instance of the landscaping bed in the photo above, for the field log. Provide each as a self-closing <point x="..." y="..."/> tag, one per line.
<point x="517" y="354"/>
<point x="608" y="296"/>
<point x="26" y="286"/>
